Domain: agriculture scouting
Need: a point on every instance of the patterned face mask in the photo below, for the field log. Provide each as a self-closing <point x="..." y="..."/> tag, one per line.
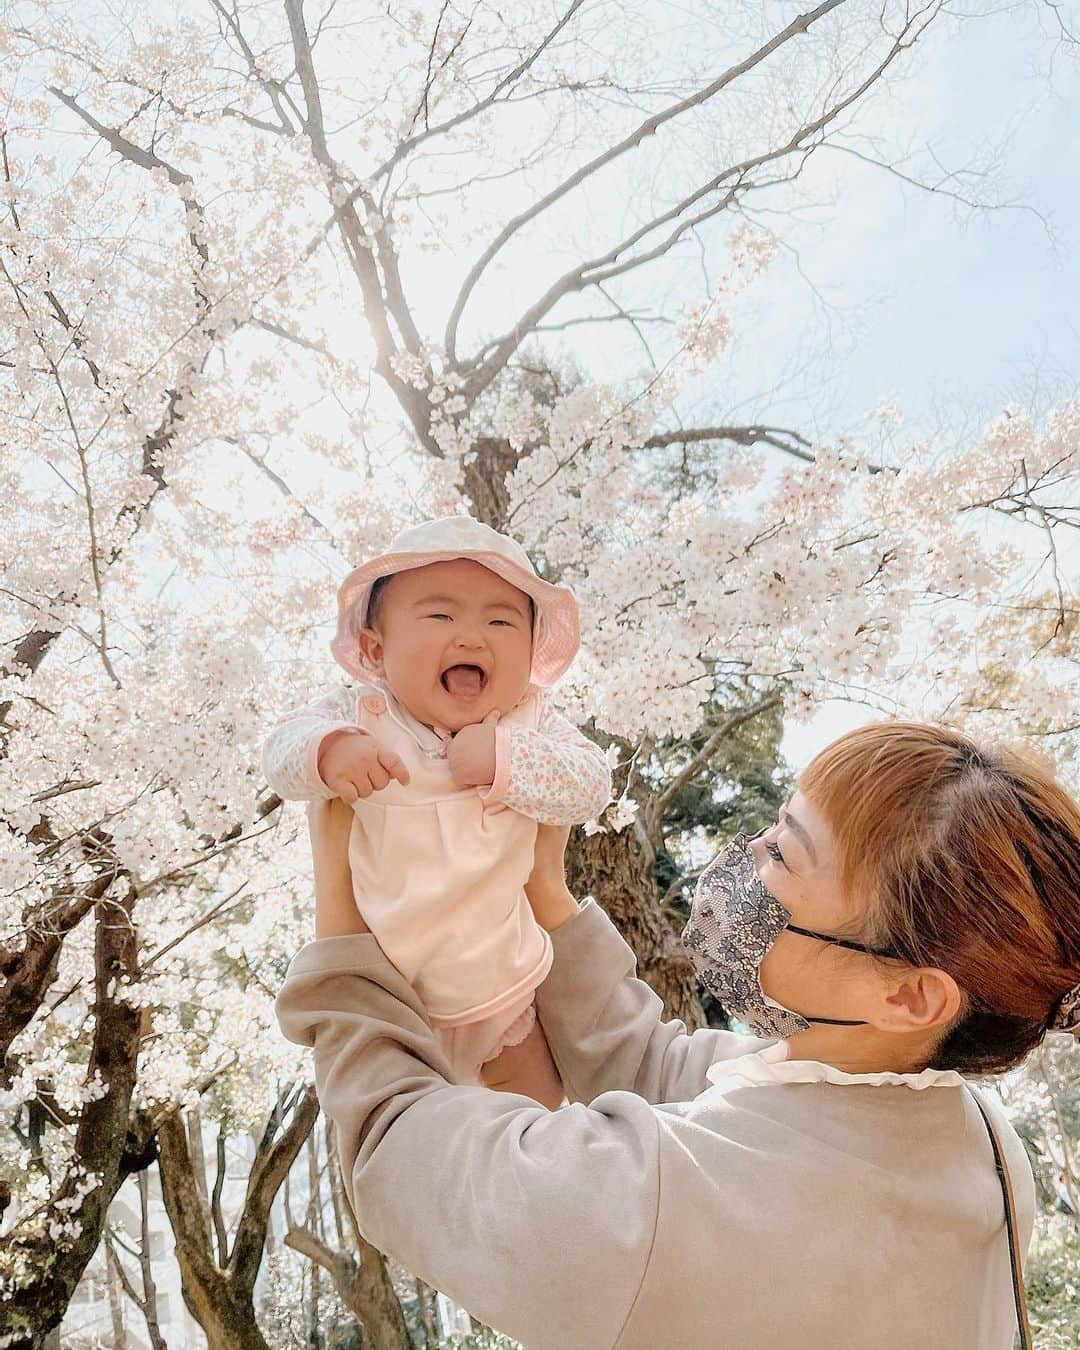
<point x="734" y="920"/>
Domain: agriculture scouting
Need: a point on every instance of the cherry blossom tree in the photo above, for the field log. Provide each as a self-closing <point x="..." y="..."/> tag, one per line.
<point x="278" y="280"/>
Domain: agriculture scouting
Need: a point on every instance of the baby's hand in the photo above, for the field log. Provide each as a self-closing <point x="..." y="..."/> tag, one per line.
<point x="354" y="765"/>
<point x="472" y="754"/>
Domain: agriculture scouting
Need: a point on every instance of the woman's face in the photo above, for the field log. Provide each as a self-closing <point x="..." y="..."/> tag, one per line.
<point x="797" y="860"/>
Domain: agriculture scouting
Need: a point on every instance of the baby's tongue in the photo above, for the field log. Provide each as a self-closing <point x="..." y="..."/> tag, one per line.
<point x="463" y="681"/>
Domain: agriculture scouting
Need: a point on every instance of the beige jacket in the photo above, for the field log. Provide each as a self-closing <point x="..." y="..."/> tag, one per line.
<point x="699" y="1192"/>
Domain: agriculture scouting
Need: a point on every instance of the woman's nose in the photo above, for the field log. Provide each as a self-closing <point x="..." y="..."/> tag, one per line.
<point x="756" y="845"/>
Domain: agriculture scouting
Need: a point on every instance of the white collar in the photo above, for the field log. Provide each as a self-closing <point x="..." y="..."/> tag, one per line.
<point x="431" y="740"/>
<point x="772" y="1065"/>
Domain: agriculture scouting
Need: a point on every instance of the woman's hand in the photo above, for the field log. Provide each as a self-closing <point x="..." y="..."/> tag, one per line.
<point x="336" y="915"/>
<point x="552" y="904"/>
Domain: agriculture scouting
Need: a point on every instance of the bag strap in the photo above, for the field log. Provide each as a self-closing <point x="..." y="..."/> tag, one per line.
<point x="1019" y="1297"/>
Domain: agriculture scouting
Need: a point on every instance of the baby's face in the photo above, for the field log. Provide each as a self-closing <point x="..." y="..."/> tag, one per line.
<point x="453" y="641"/>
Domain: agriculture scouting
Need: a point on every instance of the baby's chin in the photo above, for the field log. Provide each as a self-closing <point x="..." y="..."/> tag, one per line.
<point x="455" y="712"/>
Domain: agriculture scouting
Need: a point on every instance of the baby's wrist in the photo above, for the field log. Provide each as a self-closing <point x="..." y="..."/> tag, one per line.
<point x="329" y="741"/>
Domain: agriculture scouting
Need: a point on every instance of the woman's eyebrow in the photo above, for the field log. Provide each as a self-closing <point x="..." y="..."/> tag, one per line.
<point x="799" y="829"/>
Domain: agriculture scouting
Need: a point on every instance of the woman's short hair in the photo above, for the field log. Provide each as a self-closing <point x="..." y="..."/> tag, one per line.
<point x="970" y="860"/>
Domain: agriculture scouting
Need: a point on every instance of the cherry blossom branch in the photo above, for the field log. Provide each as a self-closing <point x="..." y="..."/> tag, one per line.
<point x="275" y="90"/>
<point x="628" y="143"/>
<point x="939" y="189"/>
<point x="806" y="139"/>
<point x="31" y="650"/>
<point x="281" y="485"/>
<point x="383" y="298"/>
<point x="100" y="1137"/>
<point x="659" y="803"/>
<point x="410" y="143"/>
<point x="780" y="438"/>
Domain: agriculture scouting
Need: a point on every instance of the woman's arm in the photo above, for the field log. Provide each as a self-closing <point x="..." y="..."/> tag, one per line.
<point x="546" y="889"/>
<point x="540" y="1223"/>
<point x="336" y="914"/>
<point x="605" y="1027"/>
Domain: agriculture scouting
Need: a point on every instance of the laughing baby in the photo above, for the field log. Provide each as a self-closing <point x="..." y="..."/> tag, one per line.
<point x="450" y="752"/>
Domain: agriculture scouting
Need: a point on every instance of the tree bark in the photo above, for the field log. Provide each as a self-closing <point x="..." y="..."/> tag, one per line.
<point x="363" y="1285"/>
<point x="485" y="477"/>
<point x="613" y="868"/>
<point x="425" y="1297"/>
<point x="102" y="1141"/>
<point x="149" y="1302"/>
<point x="221" y="1297"/>
<point x="116" y="1302"/>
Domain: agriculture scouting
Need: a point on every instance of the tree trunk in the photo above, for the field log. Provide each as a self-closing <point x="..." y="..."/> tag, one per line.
<point x="425" y="1298"/>
<point x="227" y="1322"/>
<point x="484" y="480"/>
<point x="116" y="1296"/>
<point x="37" y="1305"/>
<point x="613" y="868"/>
<point x="363" y="1285"/>
<point x="315" y="1338"/>
<point x="221" y="1298"/>
<point x="150" y="1297"/>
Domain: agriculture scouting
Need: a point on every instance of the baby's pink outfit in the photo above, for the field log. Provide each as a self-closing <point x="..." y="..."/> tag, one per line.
<point x="438" y="871"/>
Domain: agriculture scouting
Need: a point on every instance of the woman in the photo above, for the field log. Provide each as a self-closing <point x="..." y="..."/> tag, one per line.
<point x="913" y="915"/>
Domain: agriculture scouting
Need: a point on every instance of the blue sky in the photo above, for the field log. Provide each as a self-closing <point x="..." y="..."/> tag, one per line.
<point x="884" y="292"/>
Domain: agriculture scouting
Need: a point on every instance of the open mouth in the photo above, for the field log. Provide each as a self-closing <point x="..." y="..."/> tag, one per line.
<point x="464" y="681"/>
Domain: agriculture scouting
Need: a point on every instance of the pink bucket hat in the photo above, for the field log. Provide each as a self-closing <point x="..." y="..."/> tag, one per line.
<point x="556" y="635"/>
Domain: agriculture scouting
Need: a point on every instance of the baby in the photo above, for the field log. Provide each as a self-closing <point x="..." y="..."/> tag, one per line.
<point x="449" y="753"/>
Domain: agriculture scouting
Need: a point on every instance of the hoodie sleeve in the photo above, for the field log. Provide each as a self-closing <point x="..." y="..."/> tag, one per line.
<point x="290" y="754"/>
<point x="554" y="774"/>
<point x="606" y="1028"/>
<point x="539" y="1223"/>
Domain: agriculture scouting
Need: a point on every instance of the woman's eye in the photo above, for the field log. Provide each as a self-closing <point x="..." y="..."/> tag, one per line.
<point x="774" y="853"/>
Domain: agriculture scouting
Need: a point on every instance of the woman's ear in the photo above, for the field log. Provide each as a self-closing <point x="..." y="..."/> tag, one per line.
<point x="370" y="642"/>
<point x="921" y="999"/>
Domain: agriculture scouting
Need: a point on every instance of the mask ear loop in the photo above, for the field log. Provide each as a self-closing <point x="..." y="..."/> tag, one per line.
<point x="843" y="942"/>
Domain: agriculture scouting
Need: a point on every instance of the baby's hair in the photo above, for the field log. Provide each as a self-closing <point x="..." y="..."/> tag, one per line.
<point x="375" y="599"/>
<point x="380" y="585"/>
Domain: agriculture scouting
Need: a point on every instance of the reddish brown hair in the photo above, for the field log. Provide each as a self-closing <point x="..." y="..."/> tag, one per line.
<point x="970" y="860"/>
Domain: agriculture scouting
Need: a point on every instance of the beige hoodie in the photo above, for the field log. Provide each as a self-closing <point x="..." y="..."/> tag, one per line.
<point x="700" y="1191"/>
